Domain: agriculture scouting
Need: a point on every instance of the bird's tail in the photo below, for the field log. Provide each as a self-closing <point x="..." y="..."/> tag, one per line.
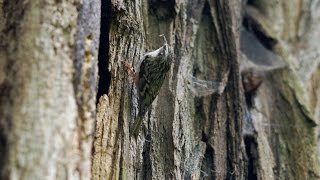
<point x="134" y="130"/>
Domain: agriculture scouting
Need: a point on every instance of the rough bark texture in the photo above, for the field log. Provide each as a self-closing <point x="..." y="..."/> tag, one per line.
<point x="286" y="107"/>
<point x="183" y="136"/>
<point x="64" y="114"/>
<point x="47" y="110"/>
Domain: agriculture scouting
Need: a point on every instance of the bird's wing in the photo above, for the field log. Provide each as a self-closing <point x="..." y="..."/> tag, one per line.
<point x="151" y="77"/>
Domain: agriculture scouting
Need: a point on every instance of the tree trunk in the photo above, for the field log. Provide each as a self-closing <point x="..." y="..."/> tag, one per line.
<point x="67" y="103"/>
<point x="48" y="62"/>
<point x="183" y="136"/>
<point x="286" y="112"/>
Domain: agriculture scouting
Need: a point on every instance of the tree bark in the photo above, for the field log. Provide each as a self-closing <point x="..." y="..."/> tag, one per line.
<point x="48" y="60"/>
<point x="183" y="136"/>
<point x="67" y="103"/>
<point x="286" y="112"/>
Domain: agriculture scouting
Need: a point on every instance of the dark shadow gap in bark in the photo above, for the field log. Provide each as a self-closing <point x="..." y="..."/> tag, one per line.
<point x="252" y="27"/>
<point x="103" y="57"/>
<point x="204" y="137"/>
<point x="163" y="10"/>
<point x="3" y="153"/>
<point x="266" y="41"/>
<point x="249" y="97"/>
<point x="277" y="147"/>
<point x="251" y="2"/>
<point x="207" y="168"/>
<point x="251" y="151"/>
<point x="147" y="171"/>
<point x="5" y="124"/>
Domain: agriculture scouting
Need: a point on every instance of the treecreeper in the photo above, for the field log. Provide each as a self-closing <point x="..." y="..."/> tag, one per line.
<point x="149" y="76"/>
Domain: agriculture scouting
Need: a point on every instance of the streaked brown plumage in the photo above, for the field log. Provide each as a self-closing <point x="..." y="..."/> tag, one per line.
<point x="150" y="76"/>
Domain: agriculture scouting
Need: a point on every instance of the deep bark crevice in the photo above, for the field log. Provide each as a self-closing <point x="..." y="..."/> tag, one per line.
<point x="266" y="41"/>
<point x="162" y="10"/>
<point x="103" y="56"/>
<point x="147" y="171"/>
<point x="207" y="168"/>
<point x="251" y="151"/>
<point x="3" y="152"/>
<point x="252" y="26"/>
